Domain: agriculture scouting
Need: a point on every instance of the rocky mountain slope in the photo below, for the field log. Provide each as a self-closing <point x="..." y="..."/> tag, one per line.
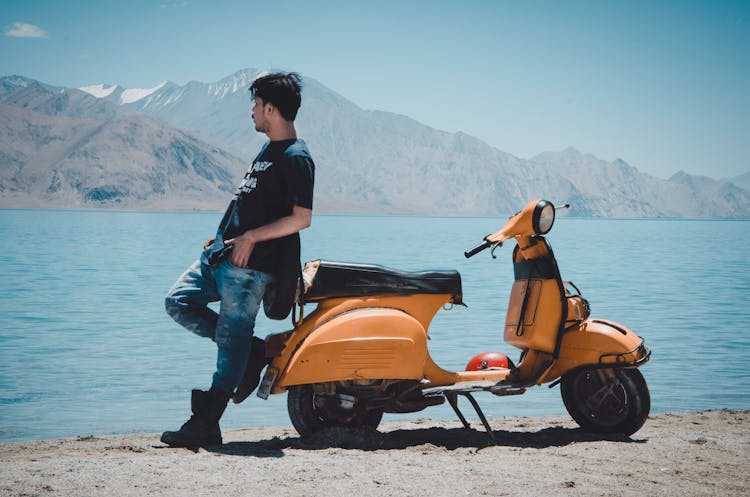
<point x="370" y="161"/>
<point x="63" y="148"/>
<point x="743" y="180"/>
<point x="68" y="148"/>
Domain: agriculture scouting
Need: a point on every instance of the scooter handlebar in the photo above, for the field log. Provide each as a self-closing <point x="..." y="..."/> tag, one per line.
<point x="477" y="249"/>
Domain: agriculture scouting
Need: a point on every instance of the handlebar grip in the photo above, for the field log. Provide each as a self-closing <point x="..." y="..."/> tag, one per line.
<point x="477" y="249"/>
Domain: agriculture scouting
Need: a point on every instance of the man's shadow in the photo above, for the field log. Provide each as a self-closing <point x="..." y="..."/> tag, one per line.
<point x="448" y="438"/>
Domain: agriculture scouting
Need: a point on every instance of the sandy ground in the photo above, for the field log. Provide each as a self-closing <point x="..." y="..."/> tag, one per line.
<point x="679" y="454"/>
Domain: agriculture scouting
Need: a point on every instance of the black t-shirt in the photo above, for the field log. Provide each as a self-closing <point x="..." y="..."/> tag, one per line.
<point x="281" y="176"/>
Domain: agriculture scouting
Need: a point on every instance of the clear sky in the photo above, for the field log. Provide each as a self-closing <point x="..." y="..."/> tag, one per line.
<point x="662" y="85"/>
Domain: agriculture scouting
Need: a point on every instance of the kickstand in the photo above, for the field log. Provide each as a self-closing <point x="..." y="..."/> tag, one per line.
<point x="453" y="401"/>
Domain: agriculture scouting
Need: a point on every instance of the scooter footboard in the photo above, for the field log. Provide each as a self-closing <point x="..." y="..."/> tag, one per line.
<point x="598" y="343"/>
<point x="370" y="343"/>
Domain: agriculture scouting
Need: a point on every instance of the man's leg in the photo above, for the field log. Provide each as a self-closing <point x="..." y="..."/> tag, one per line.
<point x="187" y="301"/>
<point x="241" y="293"/>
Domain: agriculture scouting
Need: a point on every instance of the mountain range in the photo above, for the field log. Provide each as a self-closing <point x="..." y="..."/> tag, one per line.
<point x="186" y="146"/>
<point x="63" y="148"/>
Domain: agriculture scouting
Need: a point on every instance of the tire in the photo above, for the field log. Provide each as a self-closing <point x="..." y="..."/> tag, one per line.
<point x="308" y="416"/>
<point x="607" y="400"/>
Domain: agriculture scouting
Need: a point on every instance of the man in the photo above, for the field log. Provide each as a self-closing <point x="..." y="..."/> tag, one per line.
<point x="273" y="201"/>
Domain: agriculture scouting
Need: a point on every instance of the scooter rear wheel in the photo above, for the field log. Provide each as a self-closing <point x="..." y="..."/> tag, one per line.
<point x="310" y="412"/>
<point x="607" y="400"/>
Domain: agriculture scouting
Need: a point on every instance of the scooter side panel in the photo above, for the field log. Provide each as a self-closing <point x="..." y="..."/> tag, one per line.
<point x="372" y="343"/>
<point x="595" y="342"/>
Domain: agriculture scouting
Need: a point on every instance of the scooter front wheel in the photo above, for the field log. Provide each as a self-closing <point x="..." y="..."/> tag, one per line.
<point x="311" y="412"/>
<point x="607" y="400"/>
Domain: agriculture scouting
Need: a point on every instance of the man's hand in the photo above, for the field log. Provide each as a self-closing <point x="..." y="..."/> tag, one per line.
<point x="243" y="248"/>
<point x="245" y="243"/>
<point x="209" y="242"/>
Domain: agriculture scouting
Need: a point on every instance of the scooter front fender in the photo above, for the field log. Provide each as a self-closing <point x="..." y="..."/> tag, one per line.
<point x="597" y="343"/>
<point x="369" y="343"/>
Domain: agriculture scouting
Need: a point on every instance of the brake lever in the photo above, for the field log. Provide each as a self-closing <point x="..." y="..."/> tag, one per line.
<point x="494" y="247"/>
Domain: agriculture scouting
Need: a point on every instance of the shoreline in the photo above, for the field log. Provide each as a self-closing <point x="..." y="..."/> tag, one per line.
<point x="674" y="454"/>
<point x="219" y="211"/>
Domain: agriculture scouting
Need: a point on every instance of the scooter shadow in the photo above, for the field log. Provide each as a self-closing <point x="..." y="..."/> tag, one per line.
<point x="448" y="438"/>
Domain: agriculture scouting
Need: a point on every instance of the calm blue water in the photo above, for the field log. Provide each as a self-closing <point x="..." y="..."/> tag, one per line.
<point x="86" y="348"/>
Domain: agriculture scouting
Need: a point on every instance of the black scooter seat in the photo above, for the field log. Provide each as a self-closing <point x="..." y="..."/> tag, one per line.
<point x="346" y="279"/>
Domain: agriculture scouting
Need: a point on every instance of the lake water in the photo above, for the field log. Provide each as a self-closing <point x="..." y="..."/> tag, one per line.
<point x="86" y="347"/>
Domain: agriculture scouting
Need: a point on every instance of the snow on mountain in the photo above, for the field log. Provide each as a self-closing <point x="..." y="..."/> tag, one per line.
<point x="218" y="112"/>
<point x="133" y="95"/>
<point x="99" y="91"/>
<point x="239" y="81"/>
<point x="120" y="95"/>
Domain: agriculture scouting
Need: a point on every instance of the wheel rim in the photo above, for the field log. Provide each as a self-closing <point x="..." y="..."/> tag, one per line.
<point x="326" y="411"/>
<point x="602" y="398"/>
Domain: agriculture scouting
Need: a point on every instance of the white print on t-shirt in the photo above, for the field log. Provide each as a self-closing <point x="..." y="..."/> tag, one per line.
<point x="260" y="166"/>
<point x="247" y="185"/>
<point x="250" y="182"/>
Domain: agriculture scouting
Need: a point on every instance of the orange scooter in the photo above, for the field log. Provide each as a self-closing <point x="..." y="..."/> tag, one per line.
<point x="363" y="350"/>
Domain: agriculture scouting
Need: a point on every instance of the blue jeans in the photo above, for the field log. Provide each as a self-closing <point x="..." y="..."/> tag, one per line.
<point x="240" y="292"/>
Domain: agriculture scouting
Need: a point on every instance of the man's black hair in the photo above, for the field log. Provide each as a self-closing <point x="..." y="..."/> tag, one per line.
<point x="282" y="90"/>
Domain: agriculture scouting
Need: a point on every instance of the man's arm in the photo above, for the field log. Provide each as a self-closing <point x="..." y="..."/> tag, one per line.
<point x="245" y="243"/>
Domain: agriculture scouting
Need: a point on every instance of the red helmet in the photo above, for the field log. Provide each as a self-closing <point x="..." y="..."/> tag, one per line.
<point x="487" y="360"/>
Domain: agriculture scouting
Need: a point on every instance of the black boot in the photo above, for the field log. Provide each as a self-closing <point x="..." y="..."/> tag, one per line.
<point x="256" y="361"/>
<point x="202" y="429"/>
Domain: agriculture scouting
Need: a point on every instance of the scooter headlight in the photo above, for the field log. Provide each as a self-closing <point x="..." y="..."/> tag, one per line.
<point x="544" y="217"/>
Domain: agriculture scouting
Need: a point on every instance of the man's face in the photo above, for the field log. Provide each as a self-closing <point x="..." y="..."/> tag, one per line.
<point x="259" y="115"/>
